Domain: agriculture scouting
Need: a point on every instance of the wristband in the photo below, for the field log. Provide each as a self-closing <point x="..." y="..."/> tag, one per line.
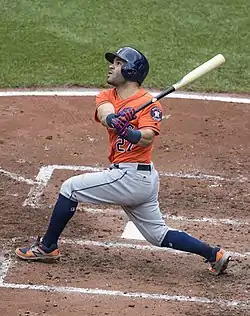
<point x="133" y="136"/>
<point x="109" y="119"/>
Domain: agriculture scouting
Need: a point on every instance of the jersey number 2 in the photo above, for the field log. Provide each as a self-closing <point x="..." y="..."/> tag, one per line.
<point x="120" y="145"/>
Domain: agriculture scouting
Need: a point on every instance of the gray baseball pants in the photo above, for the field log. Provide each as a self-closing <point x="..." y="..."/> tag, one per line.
<point x="136" y="191"/>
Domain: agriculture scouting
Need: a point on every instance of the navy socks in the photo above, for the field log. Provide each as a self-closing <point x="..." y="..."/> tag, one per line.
<point x="65" y="208"/>
<point x="63" y="211"/>
<point x="182" y="241"/>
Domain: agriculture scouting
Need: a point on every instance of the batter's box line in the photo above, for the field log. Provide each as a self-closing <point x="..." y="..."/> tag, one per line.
<point x="122" y="245"/>
<point x="114" y="244"/>
<point x="6" y="262"/>
<point x="46" y="172"/>
<point x="134" y="295"/>
<point x="167" y="216"/>
<point x="17" y="177"/>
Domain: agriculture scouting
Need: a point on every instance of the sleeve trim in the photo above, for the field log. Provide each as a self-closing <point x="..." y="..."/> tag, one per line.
<point x="151" y="127"/>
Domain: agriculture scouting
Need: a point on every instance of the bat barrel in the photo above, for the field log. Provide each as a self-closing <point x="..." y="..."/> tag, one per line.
<point x="211" y="64"/>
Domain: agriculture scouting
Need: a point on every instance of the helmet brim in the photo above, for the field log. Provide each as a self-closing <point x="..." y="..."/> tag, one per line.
<point x="111" y="57"/>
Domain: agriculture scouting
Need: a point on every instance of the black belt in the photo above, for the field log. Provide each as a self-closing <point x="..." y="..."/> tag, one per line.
<point x="139" y="167"/>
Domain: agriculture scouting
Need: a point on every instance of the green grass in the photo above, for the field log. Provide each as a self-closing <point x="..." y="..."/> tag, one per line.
<point x="52" y="43"/>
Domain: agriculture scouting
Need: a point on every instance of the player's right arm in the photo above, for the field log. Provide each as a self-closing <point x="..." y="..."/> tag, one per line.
<point x="103" y="111"/>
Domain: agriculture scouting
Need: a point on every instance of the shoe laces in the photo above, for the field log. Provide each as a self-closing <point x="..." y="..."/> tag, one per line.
<point x="37" y="242"/>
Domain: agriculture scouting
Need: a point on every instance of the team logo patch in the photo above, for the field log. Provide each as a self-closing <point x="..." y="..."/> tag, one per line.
<point x="156" y="114"/>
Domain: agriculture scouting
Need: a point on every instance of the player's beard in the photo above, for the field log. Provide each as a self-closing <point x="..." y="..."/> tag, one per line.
<point x="115" y="79"/>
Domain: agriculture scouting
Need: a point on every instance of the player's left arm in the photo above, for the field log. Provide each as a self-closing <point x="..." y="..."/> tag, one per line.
<point x="148" y="126"/>
<point x="147" y="137"/>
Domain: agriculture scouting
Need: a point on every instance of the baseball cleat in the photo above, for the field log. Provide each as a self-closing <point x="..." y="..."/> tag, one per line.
<point x="222" y="259"/>
<point x="38" y="251"/>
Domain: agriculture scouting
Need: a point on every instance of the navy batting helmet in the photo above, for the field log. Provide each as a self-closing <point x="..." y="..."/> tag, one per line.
<point x="136" y="67"/>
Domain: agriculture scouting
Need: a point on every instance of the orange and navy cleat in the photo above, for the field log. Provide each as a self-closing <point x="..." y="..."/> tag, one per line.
<point x="220" y="264"/>
<point x="38" y="251"/>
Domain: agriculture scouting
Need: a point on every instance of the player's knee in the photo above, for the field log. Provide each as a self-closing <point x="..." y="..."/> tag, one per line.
<point x="153" y="240"/>
<point x="66" y="188"/>
<point x="155" y="236"/>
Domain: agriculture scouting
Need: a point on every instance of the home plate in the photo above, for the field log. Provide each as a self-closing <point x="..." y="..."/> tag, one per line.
<point x="131" y="232"/>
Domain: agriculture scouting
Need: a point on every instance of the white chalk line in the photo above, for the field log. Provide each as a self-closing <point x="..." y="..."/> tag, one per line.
<point x="209" y="220"/>
<point x="36" y="192"/>
<point x="42" y="179"/>
<point x="17" y="177"/>
<point x="6" y="263"/>
<point x="45" y="173"/>
<point x="93" y="92"/>
<point x="138" y="295"/>
<point x="142" y="247"/>
<point x="113" y="244"/>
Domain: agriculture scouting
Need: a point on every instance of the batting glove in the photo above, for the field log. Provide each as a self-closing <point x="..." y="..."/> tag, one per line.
<point x="127" y="113"/>
<point x="120" y="124"/>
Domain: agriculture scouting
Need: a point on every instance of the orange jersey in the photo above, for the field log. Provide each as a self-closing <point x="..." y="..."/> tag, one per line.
<point x="150" y="117"/>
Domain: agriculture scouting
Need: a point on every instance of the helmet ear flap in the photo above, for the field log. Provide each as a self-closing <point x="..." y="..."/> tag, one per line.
<point x="128" y="71"/>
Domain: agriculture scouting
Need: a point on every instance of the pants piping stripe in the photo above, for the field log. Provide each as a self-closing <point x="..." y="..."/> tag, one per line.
<point x="98" y="185"/>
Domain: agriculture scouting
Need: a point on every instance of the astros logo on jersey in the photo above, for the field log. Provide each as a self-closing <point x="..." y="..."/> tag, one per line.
<point x="156" y="114"/>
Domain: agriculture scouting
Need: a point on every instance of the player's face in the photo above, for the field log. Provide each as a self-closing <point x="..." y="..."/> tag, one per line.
<point x="115" y="77"/>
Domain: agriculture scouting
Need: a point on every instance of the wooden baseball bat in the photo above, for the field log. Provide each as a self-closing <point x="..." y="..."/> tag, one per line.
<point x="206" y="67"/>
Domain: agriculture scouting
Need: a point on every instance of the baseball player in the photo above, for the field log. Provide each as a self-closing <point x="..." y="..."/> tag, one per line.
<point x="131" y="181"/>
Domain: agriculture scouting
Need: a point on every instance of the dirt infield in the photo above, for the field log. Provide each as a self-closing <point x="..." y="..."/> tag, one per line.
<point x="203" y="158"/>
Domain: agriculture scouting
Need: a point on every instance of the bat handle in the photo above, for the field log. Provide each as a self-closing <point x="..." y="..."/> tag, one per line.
<point x="143" y="106"/>
<point x="156" y="98"/>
